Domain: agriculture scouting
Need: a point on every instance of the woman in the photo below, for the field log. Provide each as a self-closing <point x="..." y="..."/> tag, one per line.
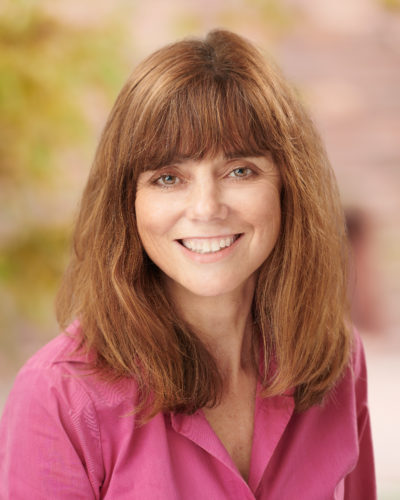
<point x="210" y="356"/>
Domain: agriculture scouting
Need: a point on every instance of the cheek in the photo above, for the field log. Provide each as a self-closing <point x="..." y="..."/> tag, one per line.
<point x="153" y="221"/>
<point x="265" y="214"/>
<point x="267" y="229"/>
<point x="145" y="220"/>
<point x="146" y="209"/>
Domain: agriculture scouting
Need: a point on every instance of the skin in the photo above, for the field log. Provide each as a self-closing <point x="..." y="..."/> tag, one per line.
<point x="196" y="200"/>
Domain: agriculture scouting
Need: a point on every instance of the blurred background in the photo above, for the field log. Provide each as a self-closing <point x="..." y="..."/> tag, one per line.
<point x="62" y="63"/>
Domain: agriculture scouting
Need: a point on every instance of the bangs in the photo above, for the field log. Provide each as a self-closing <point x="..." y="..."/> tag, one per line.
<point x="202" y="119"/>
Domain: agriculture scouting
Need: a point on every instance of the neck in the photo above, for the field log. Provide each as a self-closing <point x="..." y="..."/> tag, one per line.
<point x="223" y="323"/>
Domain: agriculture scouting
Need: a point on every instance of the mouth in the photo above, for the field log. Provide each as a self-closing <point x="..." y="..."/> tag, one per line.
<point x="209" y="245"/>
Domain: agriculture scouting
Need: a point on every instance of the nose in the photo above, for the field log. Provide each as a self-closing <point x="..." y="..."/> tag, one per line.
<point x="206" y="202"/>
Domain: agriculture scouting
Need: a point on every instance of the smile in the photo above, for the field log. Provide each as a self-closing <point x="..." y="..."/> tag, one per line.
<point x="208" y="245"/>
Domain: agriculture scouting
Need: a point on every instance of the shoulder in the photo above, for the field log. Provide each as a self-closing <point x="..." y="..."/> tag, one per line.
<point x="352" y="389"/>
<point x="60" y="416"/>
<point x="60" y="375"/>
<point x="357" y="369"/>
<point x="63" y="350"/>
<point x="358" y="373"/>
<point x="358" y="362"/>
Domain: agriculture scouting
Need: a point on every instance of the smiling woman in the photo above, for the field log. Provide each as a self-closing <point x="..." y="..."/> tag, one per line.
<point x="207" y="350"/>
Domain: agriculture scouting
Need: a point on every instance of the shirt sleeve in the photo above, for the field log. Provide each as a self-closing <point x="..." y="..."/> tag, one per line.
<point x="360" y="483"/>
<point x="49" y="439"/>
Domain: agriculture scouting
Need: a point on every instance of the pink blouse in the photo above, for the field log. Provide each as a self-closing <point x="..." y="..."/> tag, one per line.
<point x="66" y="434"/>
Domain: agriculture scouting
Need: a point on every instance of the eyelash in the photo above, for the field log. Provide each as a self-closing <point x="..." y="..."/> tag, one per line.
<point x="159" y="181"/>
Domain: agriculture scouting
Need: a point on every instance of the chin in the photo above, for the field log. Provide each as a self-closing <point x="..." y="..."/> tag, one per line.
<point x="214" y="288"/>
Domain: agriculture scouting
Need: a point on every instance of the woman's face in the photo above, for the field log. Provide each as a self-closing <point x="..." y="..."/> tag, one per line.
<point x="209" y="224"/>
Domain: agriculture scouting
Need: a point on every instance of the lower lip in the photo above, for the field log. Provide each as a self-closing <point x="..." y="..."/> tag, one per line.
<point x="207" y="258"/>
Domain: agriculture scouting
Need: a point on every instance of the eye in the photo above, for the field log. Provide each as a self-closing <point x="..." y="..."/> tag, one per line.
<point x="241" y="172"/>
<point x="167" y="180"/>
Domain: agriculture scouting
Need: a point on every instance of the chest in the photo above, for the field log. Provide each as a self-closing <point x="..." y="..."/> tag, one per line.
<point x="233" y="423"/>
<point x="178" y="456"/>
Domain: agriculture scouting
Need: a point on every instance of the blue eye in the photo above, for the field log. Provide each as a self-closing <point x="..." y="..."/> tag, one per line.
<point x="241" y="172"/>
<point x="167" y="180"/>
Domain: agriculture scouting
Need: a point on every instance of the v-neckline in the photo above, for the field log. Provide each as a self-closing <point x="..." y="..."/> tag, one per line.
<point x="271" y="417"/>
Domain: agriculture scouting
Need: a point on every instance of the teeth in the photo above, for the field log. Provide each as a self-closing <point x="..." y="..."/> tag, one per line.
<point x="208" y="245"/>
<point x="215" y="246"/>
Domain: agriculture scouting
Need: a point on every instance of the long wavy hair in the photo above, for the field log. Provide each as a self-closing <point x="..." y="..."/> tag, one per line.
<point x="192" y="99"/>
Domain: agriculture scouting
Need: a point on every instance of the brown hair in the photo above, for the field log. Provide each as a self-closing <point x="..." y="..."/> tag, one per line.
<point x="188" y="100"/>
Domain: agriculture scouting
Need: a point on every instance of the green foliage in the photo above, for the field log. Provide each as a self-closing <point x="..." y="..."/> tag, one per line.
<point x="45" y="66"/>
<point x="47" y="69"/>
<point x="32" y="263"/>
<point x="30" y="269"/>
